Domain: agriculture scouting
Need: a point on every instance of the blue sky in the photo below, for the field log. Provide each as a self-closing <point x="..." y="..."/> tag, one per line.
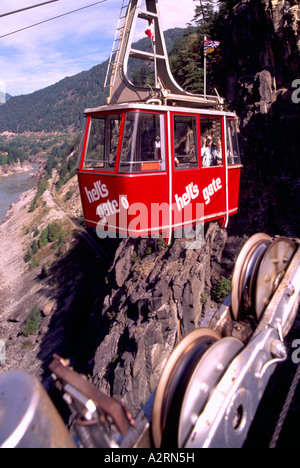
<point x="43" y="55"/>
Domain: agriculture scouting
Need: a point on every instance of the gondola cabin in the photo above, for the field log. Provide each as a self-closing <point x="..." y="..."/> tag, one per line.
<point x="149" y="169"/>
<point x="156" y="159"/>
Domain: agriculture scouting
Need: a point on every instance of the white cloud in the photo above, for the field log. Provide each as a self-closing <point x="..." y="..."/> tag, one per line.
<point x="41" y="56"/>
<point x="176" y="13"/>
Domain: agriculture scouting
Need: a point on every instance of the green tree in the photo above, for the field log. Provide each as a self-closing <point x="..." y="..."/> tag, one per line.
<point x="54" y="230"/>
<point x="34" y="263"/>
<point x="27" y="257"/>
<point x="205" y="12"/>
<point x="34" y="247"/>
<point x="187" y="56"/>
<point x="61" y="238"/>
<point x="33" y="321"/>
<point x="3" y="159"/>
<point x="44" y="237"/>
<point x="44" y="271"/>
<point x="42" y="187"/>
<point x="221" y="289"/>
<point x="33" y="204"/>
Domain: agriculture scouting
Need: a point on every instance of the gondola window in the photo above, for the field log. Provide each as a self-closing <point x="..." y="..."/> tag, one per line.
<point x="143" y="146"/>
<point x="103" y="143"/>
<point x="185" y="142"/>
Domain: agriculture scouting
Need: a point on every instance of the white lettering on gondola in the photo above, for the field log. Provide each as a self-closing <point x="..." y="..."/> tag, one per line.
<point x="107" y="208"/>
<point x="191" y="193"/>
<point x="211" y="189"/>
<point x="99" y="191"/>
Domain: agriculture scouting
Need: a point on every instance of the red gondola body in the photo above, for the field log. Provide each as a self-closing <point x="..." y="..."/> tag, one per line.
<point x="156" y="166"/>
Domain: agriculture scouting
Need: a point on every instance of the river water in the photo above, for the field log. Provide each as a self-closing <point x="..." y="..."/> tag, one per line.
<point x="11" y="187"/>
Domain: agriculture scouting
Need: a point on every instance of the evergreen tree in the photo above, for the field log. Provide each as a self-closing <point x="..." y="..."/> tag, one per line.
<point x="27" y="257"/>
<point x="44" y="272"/>
<point x="204" y="12"/>
<point x="44" y="237"/>
<point x="34" y="247"/>
<point x="34" y="263"/>
<point x="54" y="231"/>
<point x="33" y="321"/>
<point x="187" y="57"/>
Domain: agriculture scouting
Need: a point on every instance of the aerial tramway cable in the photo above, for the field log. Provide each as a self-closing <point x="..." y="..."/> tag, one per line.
<point x="53" y="18"/>
<point x="27" y="8"/>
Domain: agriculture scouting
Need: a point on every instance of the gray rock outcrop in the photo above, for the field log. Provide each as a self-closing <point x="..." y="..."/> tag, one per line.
<point x="157" y="296"/>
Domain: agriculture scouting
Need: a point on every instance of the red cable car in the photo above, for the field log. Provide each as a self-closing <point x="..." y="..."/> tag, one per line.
<point x="155" y="161"/>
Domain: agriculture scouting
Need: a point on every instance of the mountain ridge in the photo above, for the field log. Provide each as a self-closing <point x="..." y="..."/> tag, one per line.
<point x="60" y="106"/>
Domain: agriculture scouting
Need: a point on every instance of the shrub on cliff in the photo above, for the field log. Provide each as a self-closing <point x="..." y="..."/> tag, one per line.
<point x="54" y="232"/>
<point x="44" y="237"/>
<point x="27" y="257"/>
<point x="33" y="321"/>
<point x="221" y="289"/>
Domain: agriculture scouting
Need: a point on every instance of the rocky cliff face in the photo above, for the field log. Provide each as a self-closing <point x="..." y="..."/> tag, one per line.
<point x="262" y="58"/>
<point x="157" y="295"/>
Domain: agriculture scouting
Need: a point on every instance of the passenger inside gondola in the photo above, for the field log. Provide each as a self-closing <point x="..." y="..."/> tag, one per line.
<point x="211" y="141"/>
<point x="217" y="153"/>
<point x="207" y="151"/>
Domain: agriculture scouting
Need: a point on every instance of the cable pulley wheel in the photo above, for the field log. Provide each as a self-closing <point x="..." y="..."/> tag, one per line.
<point x="271" y="270"/>
<point x="206" y="375"/>
<point x="173" y="383"/>
<point x="244" y="274"/>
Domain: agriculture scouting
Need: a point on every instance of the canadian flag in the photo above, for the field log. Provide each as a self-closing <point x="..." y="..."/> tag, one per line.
<point x="150" y="30"/>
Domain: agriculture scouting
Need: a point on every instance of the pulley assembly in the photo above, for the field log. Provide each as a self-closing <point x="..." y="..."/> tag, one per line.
<point x="212" y="384"/>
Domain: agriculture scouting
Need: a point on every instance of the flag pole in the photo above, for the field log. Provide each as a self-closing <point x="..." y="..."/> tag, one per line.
<point x="204" y="69"/>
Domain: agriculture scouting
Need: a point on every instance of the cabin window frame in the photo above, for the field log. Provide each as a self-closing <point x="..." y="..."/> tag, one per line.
<point x="108" y="161"/>
<point x="184" y="161"/>
<point x="132" y="159"/>
<point x="233" y="150"/>
<point x="83" y="142"/>
<point x="215" y="157"/>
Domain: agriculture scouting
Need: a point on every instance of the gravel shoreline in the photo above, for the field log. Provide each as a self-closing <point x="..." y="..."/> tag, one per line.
<point x="11" y="253"/>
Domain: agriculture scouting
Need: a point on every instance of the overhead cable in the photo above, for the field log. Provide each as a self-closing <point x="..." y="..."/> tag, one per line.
<point x="51" y="19"/>
<point x="27" y="8"/>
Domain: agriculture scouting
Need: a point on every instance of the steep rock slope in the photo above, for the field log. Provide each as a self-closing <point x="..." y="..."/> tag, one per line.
<point x="156" y="297"/>
<point x="262" y="64"/>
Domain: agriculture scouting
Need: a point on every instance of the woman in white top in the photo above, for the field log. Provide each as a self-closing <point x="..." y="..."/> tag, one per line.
<point x="206" y="152"/>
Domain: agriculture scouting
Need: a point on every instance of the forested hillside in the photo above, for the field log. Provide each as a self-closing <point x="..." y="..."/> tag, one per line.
<point x="60" y="107"/>
<point x="56" y="108"/>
